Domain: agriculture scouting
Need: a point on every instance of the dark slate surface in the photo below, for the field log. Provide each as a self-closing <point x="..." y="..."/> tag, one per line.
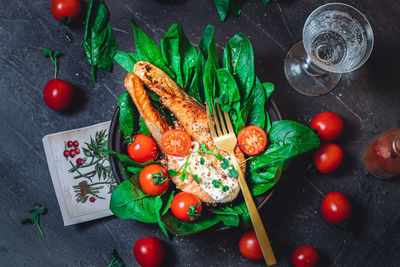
<point x="368" y="100"/>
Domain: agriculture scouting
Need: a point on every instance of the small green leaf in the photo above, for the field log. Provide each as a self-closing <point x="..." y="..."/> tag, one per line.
<point x="203" y="148"/>
<point x="47" y="52"/>
<point x="225" y="188"/>
<point x="183" y="175"/>
<point x="225" y="164"/>
<point x="219" y="157"/>
<point x="196" y="178"/>
<point x="233" y="173"/>
<point x="56" y="54"/>
<point x="201" y="161"/>
<point x="216" y="183"/>
<point x="172" y="172"/>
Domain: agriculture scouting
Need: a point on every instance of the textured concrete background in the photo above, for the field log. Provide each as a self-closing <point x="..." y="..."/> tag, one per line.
<point x="368" y="100"/>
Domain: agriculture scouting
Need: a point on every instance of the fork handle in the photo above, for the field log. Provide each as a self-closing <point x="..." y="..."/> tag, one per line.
<point x="259" y="229"/>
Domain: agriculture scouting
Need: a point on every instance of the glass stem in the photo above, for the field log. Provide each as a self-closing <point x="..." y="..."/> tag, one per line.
<point x="310" y="68"/>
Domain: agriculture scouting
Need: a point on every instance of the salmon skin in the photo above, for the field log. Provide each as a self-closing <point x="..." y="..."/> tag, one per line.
<point x="213" y="184"/>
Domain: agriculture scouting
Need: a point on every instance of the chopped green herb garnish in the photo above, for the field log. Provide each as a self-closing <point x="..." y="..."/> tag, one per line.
<point x="225" y="164"/>
<point x="203" y="149"/>
<point x="233" y="173"/>
<point x="201" y="160"/>
<point x="159" y="178"/>
<point x="216" y="183"/>
<point x="192" y="212"/>
<point x="183" y="175"/>
<point x="196" y="178"/>
<point x="225" y="188"/>
<point x="172" y="172"/>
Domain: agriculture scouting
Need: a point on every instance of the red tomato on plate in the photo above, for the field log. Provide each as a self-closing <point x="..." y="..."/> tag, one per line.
<point x="154" y="179"/>
<point x="186" y="207"/>
<point x="249" y="246"/>
<point x="143" y="148"/>
<point x="149" y="252"/>
<point x="58" y="94"/>
<point x="305" y="256"/>
<point x="176" y="142"/>
<point x="336" y="207"/>
<point x="328" y="157"/>
<point x="329" y="126"/>
<point x="65" y="8"/>
<point x="252" y="140"/>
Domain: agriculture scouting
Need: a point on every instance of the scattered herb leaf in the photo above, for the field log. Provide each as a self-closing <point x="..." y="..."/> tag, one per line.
<point x="116" y="261"/>
<point x="216" y="183"/>
<point x="225" y="164"/>
<point x="233" y="173"/>
<point x="35" y="213"/>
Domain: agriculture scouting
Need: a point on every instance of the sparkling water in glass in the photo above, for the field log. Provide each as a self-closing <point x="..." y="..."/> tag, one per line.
<point x="337" y="38"/>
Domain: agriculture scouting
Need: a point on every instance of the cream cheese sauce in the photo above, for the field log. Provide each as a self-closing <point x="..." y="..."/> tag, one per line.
<point x="207" y="173"/>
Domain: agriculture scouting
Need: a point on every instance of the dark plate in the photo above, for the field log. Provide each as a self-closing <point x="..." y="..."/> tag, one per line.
<point x="116" y="138"/>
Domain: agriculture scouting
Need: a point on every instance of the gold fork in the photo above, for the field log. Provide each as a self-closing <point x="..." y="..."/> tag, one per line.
<point x="225" y="139"/>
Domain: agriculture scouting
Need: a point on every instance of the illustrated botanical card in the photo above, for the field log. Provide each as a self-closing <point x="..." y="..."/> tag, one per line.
<point x="81" y="172"/>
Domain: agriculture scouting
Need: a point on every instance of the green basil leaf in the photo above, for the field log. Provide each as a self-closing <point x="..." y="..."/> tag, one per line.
<point x="99" y="42"/>
<point x="238" y="58"/>
<point x="179" y="227"/>
<point x="134" y="170"/>
<point x="128" y="114"/>
<point x="148" y="50"/>
<point x="126" y="60"/>
<point x="180" y="54"/>
<point x="129" y="202"/>
<point x="232" y="213"/>
<point x="226" y="86"/>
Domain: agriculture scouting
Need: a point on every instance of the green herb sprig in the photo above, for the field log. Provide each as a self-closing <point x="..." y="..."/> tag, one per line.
<point x="53" y="57"/>
<point x="116" y="260"/>
<point x="35" y="213"/>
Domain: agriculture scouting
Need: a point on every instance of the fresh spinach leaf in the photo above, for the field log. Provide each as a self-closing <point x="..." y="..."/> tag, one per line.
<point x="229" y="97"/>
<point x="99" y="42"/>
<point x="257" y="112"/>
<point x="128" y="115"/>
<point x="180" y="54"/>
<point x="226" y="6"/>
<point x="148" y="50"/>
<point x="238" y="58"/>
<point x="289" y="139"/>
<point x="143" y="128"/>
<point x="129" y="202"/>
<point x="178" y="227"/>
<point x="126" y="60"/>
<point x="207" y="63"/>
<point x="230" y="215"/>
<point x="125" y="159"/>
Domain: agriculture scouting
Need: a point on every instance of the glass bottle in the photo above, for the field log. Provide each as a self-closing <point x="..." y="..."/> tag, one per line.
<point x="382" y="154"/>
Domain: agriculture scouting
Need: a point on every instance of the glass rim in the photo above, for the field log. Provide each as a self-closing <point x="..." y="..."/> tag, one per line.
<point x="367" y="55"/>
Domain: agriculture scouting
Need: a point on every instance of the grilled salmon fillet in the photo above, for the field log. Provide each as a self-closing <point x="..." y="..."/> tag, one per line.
<point x="214" y="185"/>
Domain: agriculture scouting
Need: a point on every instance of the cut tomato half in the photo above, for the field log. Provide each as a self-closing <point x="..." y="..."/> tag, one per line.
<point x="176" y="143"/>
<point x="252" y="140"/>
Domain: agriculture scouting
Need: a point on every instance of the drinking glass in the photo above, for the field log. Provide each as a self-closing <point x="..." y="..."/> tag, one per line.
<point x="337" y="38"/>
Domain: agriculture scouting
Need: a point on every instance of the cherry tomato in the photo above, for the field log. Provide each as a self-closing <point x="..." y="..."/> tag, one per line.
<point x="328" y="157"/>
<point x="186" y="207"/>
<point x="143" y="148"/>
<point x="305" y="256"/>
<point x="329" y="126"/>
<point x="149" y="252"/>
<point x="65" y="8"/>
<point x="176" y="142"/>
<point x="154" y="179"/>
<point x="336" y="207"/>
<point x="58" y="94"/>
<point x="249" y="246"/>
<point x="252" y="140"/>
